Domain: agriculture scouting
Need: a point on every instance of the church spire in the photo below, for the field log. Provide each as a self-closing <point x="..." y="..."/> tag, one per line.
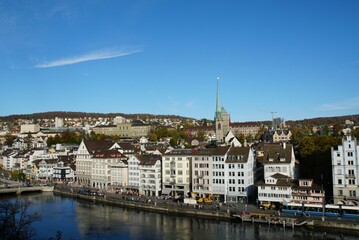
<point x="218" y="106"/>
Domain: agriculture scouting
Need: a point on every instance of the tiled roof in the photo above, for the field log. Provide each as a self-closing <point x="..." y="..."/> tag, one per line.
<point x="148" y="159"/>
<point x="108" y="154"/>
<point x="93" y="145"/>
<point x="277" y="154"/>
<point x="238" y="155"/>
<point x="126" y="146"/>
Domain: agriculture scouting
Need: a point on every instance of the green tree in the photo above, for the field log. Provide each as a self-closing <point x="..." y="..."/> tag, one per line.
<point x="161" y="132"/>
<point x="355" y="133"/>
<point x="260" y="133"/>
<point x="249" y="138"/>
<point x="314" y="155"/>
<point x="201" y="136"/>
<point x="241" y="138"/>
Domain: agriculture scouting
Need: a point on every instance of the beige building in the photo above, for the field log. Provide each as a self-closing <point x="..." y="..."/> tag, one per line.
<point x="134" y="129"/>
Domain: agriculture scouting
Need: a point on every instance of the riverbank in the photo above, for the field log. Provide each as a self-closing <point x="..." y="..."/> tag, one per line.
<point x="153" y="206"/>
<point x="225" y="214"/>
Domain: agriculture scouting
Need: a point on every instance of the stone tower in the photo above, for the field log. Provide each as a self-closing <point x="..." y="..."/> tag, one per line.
<point x="221" y="117"/>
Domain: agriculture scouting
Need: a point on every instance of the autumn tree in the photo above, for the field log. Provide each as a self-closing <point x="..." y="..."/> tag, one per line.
<point x="9" y="139"/>
<point x="153" y="137"/>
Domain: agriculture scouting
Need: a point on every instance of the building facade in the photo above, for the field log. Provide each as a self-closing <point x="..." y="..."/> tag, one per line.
<point x="176" y="172"/>
<point x="150" y="174"/>
<point x="345" y="170"/>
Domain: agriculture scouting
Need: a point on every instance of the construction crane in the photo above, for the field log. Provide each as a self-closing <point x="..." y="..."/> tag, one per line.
<point x="273" y="125"/>
<point x="272" y="112"/>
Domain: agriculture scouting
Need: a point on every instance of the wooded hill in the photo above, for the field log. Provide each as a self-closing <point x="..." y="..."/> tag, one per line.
<point x="52" y="115"/>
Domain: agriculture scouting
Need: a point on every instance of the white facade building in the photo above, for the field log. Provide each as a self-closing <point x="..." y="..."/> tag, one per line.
<point x="84" y="160"/>
<point x="240" y="168"/>
<point x="119" y="174"/>
<point x="30" y="128"/>
<point x="150" y="175"/>
<point x="59" y="122"/>
<point x="176" y="172"/>
<point x="102" y="162"/>
<point x="345" y="170"/>
<point x="280" y="170"/>
<point x="133" y="173"/>
<point x="276" y="190"/>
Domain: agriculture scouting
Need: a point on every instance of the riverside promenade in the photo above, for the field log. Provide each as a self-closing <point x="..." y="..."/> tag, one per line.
<point x="225" y="212"/>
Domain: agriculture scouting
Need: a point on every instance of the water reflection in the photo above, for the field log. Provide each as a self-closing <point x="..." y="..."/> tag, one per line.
<point x="84" y="220"/>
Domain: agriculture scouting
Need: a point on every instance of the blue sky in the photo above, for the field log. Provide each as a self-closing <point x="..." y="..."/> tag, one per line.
<point x="297" y="58"/>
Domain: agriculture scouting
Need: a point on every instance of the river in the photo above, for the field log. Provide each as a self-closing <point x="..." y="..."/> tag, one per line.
<point x="85" y="220"/>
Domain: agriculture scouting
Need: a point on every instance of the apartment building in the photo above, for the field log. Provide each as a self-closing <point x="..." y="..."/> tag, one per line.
<point x="345" y="170"/>
<point x="102" y="162"/>
<point x="84" y="161"/>
<point x="150" y="174"/>
<point x="176" y="172"/>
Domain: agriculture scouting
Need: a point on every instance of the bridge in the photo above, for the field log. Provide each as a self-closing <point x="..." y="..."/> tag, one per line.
<point x="19" y="190"/>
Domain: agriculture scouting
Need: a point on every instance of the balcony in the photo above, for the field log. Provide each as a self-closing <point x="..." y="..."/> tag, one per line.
<point x="172" y="181"/>
<point x="350" y="176"/>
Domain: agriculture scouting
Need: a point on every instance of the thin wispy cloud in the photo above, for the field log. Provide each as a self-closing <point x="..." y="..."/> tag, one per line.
<point x="92" y="56"/>
<point x="342" y="105"/>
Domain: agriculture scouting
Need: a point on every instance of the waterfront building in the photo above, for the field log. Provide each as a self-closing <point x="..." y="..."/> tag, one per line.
<point x="275" y="189"/>
<point x="84" y="159"/>
<point x="63" y="173"/>
<point x="306" y="191"/>
<point x="176" y="172"/>
<point x="150" y="175"/>
<point x="119" y="174"/>
<point x="240" y="169"/>
<point x="280" y="169"/>
<point x="345" y="170"/>
<point x="102" y="160"/>
<point x="203" y="170"/>
<point x="133" y="174"/>
<point x="45" y="168"/>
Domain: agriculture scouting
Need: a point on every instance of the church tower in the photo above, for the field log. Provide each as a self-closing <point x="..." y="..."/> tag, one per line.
<point x="221" y="117"/>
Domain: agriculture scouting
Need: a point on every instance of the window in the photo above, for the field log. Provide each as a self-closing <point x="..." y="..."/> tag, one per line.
<point x="350" y="154"/>
<point x="352" y="193"/>
<point x="340" y="181"/>
<point x="340" y="192"/>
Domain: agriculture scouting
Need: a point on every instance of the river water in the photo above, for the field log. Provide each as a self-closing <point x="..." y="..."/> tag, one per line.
<point x="83" y="220"/>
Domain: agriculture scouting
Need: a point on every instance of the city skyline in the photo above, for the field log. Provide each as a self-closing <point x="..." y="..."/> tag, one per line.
<point x="298" y="59"/>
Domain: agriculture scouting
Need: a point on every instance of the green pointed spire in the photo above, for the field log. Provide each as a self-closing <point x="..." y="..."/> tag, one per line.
<point x="218" y="105"/>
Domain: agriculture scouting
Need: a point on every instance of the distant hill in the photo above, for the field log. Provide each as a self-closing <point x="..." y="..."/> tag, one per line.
<point x="52" y="115"/>
<point x="324" y="120"/>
